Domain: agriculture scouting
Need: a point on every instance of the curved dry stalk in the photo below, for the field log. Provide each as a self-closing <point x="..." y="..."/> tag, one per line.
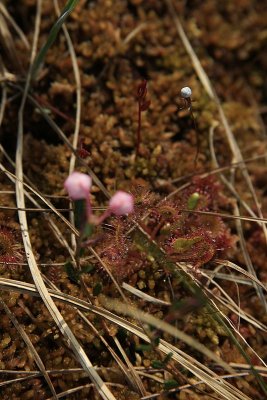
<point x="30" y="346"/>
<point x="63" y="137"/>
<point x="130" y="376"/>
<point x="214" y="171"/>
<point x="3" y="103"/>
<point x="247" y="258"/>
<point x="139" y="387"/>
<point x="21" y="201"/>
<point x="232" y="265"/>
<point x="204" y="79"/>
<point x="192" y="385"/>
<point x="229" y="303"/>
<point x="78" y="109"/>
<point x="34" y="191"/>
<point x="134" y="32"/>
<point x="88" y="385"/>
<point x="8" y="45"/>
<point x="53" y="310"/>
<point x="106" y="268"/>
<point x="52" y="224"/>
<point x="14" y="25"/>
<point x="233" y="327"/>
<point x="144" y="296"/>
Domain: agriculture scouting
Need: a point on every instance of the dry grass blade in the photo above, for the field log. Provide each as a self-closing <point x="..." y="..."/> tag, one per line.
<point x="30" y="346"/>
<point x="247" y="258"/>
<point x="14" y="25"/>
<point x="188" y="386"/>
<point x="238" y="224"/>
<point x="165" y="327"/>
<point x="228" y="302"/>
<point x="198" y="369"/>
<point x="78" y="109"/>
<point x="143" y="295"/>
<point x="8" y="45"/>
<point x="79" y="388"/>
<point x="129" y="372"/>
<point x="3" y="96"/>
<point x="63" y="137"/>
<point x="55" y="314"/>
<point x="139" y="387"/>
<point x="238" y="334"/>
<point x="16" y="380"/>
<point x="106" y="268"/>
<point x="138" y="383"/>
<point x="212" y="94"/>
<point x="35" y="191"/>
<point x="51" y="223"/>
<point x="214" y="381"/>
<point x="214" y="171"/>
<point x="232" y="265"/>
<point x="119" y="362"/>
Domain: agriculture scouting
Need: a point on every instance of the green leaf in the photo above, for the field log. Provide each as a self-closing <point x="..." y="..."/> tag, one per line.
<point x="157" y="364"/>
<point x="162" y="364"/>
<point x="144" y="347"/>
<point x="52" y="37"/>
<point x="71" y="272"/>
<point x="80" y="214"/>
<point x="170" y="384"/>
<point x="88" y="230"/>
<point x="87" y="268"/>
<point x="192" y="201"/>
<point x="167" y="358"/>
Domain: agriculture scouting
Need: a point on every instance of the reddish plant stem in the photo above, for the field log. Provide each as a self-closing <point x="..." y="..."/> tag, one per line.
<point x="143" y="105"/>
<point x="138" y="138"/>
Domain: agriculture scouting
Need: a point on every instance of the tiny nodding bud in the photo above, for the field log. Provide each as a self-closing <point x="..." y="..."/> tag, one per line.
<point x="142" y="89"/>
<point x="186" y="92"/>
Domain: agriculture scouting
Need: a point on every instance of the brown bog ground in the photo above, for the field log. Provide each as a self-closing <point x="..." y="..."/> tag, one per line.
<point x="170" y="301"/>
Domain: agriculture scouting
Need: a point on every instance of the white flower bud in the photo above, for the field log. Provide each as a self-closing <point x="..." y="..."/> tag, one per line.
<point x="186" y="92"/>
<point x="78" y="185"/>
<point x="121" y="203"/>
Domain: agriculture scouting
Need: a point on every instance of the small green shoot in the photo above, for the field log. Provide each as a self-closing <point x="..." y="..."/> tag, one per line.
<point x="52" y="37"/>
<point x="193" y="201"/>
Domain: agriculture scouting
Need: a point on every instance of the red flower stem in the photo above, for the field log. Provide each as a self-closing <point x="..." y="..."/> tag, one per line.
<point x="138" y="136"/>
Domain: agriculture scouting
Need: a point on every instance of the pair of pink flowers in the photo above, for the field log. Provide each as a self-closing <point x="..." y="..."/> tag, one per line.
<point x="78" y="186"/>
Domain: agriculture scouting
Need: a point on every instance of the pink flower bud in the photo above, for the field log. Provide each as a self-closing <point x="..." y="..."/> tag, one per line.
<point x="78" y="185"/>
<point x="121" y="203"/>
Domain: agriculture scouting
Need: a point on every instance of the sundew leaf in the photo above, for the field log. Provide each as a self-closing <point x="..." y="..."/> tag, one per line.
<point x="146" y="244"/>
<point x="182" y="245"/>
